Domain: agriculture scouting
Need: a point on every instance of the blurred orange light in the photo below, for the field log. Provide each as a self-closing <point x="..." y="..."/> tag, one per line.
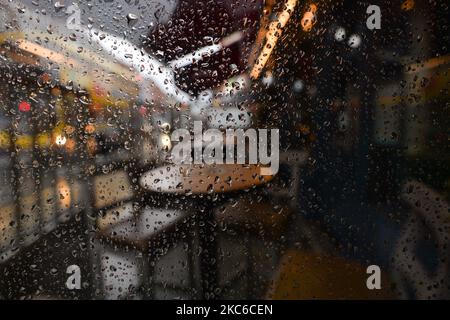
<point x="96" y="107"/>
<point x="69" y="129"/>
<point x="70" y="145"/>
<point x="309" y="18"/>
<point x="46" y="77"/>
<point x="64" y="198"/>
<point x="90" y="128"/>
<point x="91" y="145"/>
<point x="45" y="53"/>
<point x="56" y="92"/>
<point x="408" y="5"/>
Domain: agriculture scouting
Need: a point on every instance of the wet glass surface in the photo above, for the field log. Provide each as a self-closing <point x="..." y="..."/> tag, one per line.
<point x="224" y="149"/>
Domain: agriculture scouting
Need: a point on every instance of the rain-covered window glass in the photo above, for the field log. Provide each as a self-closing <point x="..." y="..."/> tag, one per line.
<point x="224" y="149"/>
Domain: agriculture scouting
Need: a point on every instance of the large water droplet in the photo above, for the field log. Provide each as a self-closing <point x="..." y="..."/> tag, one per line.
<point x="59" y="6"/>
<point x="132" y="19"/>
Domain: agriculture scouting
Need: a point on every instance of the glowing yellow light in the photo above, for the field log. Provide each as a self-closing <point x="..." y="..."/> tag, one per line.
<point x="5" y="140"/>
<point x="43" y="140"/>
<point x="24" y="141"/>
<point x="272" y="36"/>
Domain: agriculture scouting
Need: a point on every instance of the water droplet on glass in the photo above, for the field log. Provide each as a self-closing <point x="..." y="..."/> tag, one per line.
<point x="59" y="6"/>
<point x="132" y="19"/>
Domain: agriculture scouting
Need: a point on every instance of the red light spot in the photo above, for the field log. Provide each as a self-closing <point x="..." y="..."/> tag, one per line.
<point x="24" y="106"/>
<point x="142" y="111"/>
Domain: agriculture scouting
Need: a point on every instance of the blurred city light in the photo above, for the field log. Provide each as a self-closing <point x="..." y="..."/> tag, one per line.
<point x="354" y="41"/>
<point x="60" y="140"/>
<point x="340" y="34"/>
<point x="24" y="106"/>
<point x="309" y="18"/>
<point x="274" y="33"/>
